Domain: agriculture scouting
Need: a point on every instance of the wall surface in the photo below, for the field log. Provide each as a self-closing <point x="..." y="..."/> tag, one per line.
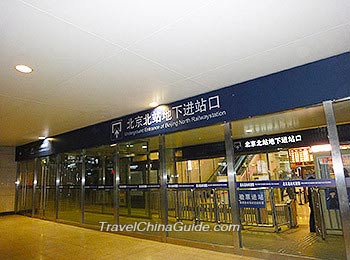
<point x="7" y="179"/>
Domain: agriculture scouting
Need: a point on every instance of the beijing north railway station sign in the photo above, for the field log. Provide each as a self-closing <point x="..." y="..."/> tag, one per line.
<point x="190" y="113"/>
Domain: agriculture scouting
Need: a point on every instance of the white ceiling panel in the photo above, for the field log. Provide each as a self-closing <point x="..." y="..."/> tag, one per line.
<point x="184" y="89"/>
<point x="230" y="30"/>
<point x="55" y="50"/>
<point x="124" y="83"/>
<point x="306" y="50"/>
<point x="121" y="22"/>
<point x="23" y="121"/>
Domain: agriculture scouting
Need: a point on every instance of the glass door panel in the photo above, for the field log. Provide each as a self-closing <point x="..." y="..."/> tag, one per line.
<point x="138" y="164"/>
<point x="99" y="173"/>
<point x="49" y="196"/>
<point x="196" y="158"/>
<point x="21" y="200"/>
<point x="41" y="168"/>
<point x="29" y="180"/>
<point x="69" y="196"/>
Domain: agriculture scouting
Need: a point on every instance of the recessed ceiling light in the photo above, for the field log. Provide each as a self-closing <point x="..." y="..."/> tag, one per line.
<point x="41" y="137"/>
<point x="249" y="131"/>
<point x="153" y="104"/>
<point x="24" y="69"/>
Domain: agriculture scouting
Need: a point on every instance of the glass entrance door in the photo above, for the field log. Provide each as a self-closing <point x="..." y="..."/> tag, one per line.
<point x="49" y="197"/>
<point x="135" y="169"/>
<point x="69" y="195"/>
<point x="39" y="198"/>
<point x="139" y="193"/>
<point x="99" y="193"/>
<point x="29" y="181"/>
<point x="25" y="186"/>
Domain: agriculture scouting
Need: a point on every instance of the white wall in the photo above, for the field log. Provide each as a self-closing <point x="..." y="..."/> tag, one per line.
<point x="7" y="178"/>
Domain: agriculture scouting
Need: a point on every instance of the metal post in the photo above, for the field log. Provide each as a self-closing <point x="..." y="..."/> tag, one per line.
<point x="17" y="187"/>
<point x="43" y="186"/>
<point x="339" y="174"/>
<point x="58" y="173"/>
<point x="145" y="180"/>
<point x="103" y="183"/>
<point x="199" y="171"/>
<point x="232" y="185"/>
<point x="272" y="198"/>
<point x="35" y="181"/>
<point x="163" y="182"/>
<point x="82" y="186"/>
<point x="25" y="189"/>
<point x="116" y="182"/>
<point x="216" y="207"/>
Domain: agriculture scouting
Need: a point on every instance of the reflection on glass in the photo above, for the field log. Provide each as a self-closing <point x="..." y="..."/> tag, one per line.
<point x="49" y="196"/>
<point x="198" y="156"/>
<point x="139" y="165"/>
<point x="45" y="192"/>
<point x="22" y="179"/>
<point x="99" y="173"/>
<point x="199" y="170"/>
<point x="29" y="179"/>
<point x="69" y="195"/>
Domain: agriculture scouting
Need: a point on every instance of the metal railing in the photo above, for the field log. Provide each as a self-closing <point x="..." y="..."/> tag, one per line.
<point x="201" y="205"/>
<point x="212" y="205"/>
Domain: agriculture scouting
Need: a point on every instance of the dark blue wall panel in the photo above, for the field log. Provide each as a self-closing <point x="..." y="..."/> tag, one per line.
<point x="302" y="86"/>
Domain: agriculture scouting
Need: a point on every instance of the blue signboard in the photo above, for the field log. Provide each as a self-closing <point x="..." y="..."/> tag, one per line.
<point x="201" y="110"/>
<point x="287" y="183"/>
<point x="209" y="185"/>
<point x="251" y="199"/>
<point x="139" y="186"/>
<point x="100" y="187"/>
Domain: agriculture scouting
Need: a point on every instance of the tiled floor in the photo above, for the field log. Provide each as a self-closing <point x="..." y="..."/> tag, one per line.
<point x="30" y="238"/>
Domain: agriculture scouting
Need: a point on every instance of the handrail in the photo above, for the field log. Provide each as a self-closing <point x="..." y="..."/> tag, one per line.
<point x="223" y="166"/>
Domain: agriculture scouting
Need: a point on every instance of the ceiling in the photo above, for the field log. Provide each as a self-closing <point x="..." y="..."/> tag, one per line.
<point x="97" y="60"/>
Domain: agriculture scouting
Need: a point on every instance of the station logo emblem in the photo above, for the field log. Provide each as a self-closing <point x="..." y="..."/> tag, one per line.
<point x="237" y="146"/>
<point x="116" y="130"/>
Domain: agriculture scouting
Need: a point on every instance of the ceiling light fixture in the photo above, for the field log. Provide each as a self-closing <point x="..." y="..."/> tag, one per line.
<point x="41" y="137"/>
<point x="249" y="131"/>
<point x="153" y="104"/>
<point x="23" y="68"/>
<point x="112" y="145"/>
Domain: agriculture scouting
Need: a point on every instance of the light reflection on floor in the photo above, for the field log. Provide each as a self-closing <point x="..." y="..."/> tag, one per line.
<point x="29" y="238"/>
<point x="298" y="241"/>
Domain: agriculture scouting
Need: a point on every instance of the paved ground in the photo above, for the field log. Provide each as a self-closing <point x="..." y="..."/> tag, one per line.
<point x="30" y="238"/>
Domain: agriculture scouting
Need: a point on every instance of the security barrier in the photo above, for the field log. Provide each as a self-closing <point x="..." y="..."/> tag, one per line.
<point x="202" y="205"/>
<point x="212" y="205"/>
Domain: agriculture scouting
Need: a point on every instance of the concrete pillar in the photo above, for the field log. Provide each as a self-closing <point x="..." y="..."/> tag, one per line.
<point x="7" y="179"/>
